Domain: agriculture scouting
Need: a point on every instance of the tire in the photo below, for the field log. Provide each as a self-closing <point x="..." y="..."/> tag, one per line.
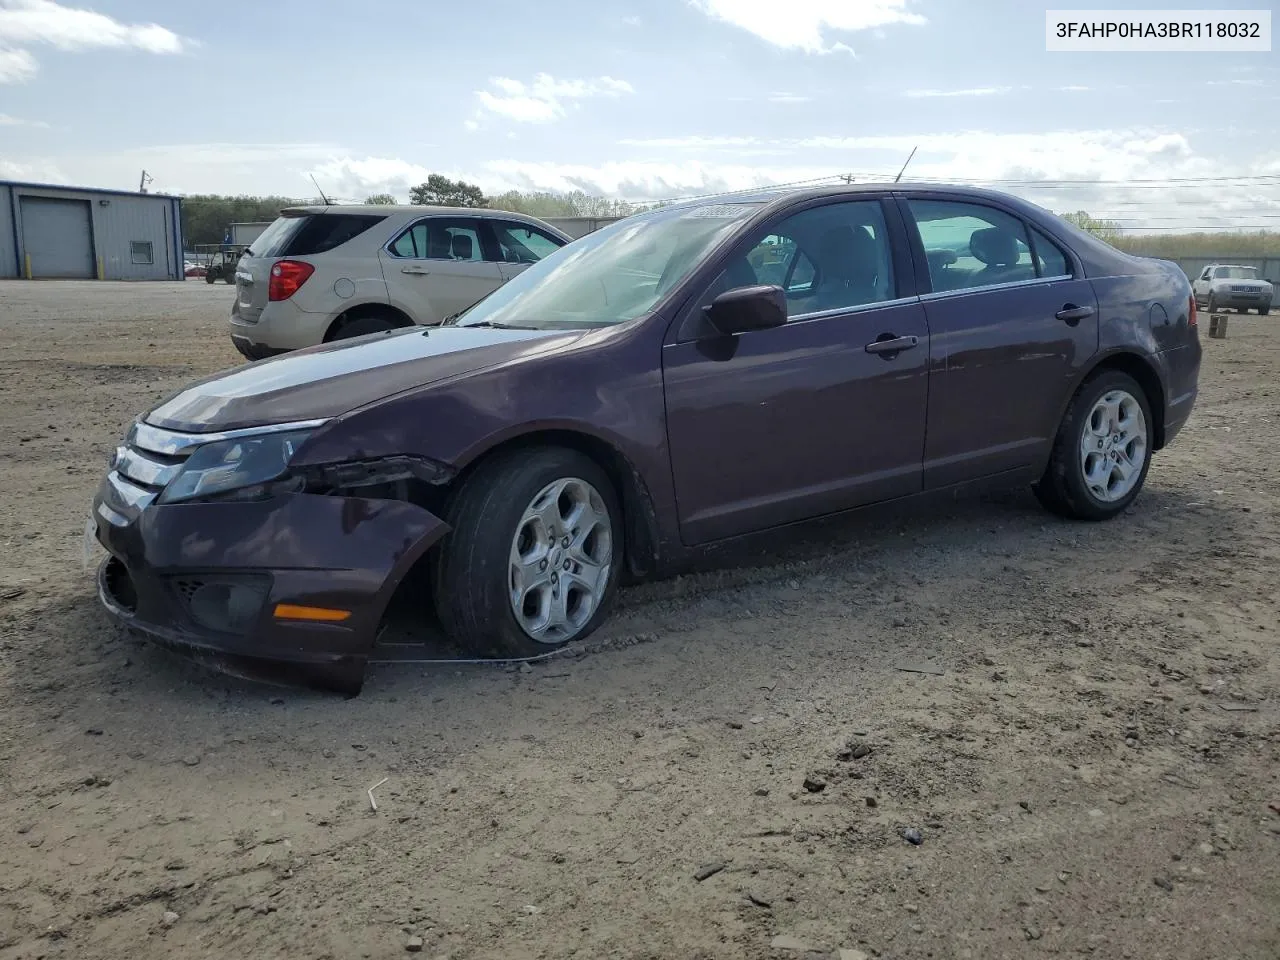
<point x="359" y="326"/>
<point x="1064" y="489"/>
<point x="474" y="577"/>
<point x="209" y="277"/>
<point x="1263" y="311"/>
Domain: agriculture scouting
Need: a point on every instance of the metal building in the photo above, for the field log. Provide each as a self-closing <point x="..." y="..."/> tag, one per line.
<point x="54" y="232"/>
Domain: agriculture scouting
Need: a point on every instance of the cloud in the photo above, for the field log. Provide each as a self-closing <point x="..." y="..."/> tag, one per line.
<point x="788" y="98"/>
<point x="546" y="98"/>
<point x="803" y="24"/>
<point x="28" y="23"/>
<point x="10" y="121"/>
<point x="38" y="172"/>
<point x="16" y="66"/>
<point x="1075" y="88"/>
<point x="632" y="21"/>
<point x="695" y="142"/>
<point x="969" y="92"/>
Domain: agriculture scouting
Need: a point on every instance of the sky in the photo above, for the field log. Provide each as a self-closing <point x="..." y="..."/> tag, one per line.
<point x="639" y="99"/>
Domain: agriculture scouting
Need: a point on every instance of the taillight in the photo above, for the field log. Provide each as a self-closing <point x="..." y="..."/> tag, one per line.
<point x="1191" y="312"/>
<point x="286" y="277"/>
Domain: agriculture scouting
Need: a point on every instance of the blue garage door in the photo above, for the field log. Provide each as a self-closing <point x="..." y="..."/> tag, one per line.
<point x="56" y="235"/>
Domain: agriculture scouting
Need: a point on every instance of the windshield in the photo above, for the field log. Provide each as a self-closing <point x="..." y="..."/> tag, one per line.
<point x="613" y="275"/>
<point x="1235" y="273"/>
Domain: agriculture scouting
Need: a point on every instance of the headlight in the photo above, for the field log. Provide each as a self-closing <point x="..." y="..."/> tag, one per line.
<point x="245" y="465"/>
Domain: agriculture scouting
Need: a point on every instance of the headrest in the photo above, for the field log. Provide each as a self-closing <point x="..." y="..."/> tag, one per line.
<point x="462" y="246"/>
<point x="849" y="254"/>
<point x="994" y="247"/>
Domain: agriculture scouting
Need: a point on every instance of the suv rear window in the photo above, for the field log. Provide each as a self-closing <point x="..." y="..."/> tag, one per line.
<point x="311" y="234"/>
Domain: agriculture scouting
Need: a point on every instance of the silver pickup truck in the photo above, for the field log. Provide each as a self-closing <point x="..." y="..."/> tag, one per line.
<point x="1222" y="285"/>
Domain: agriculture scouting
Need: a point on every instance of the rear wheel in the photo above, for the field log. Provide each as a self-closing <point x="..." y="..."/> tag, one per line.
<point x="1102" y="451"/>
<point x="359" y="326"/>
<point x="533" y="558"/>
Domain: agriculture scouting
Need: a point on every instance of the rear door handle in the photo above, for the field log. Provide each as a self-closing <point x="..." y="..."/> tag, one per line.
<point x="1073" y="314"/>
<point x="415" y="271"/>
<point x="887" y="343"/>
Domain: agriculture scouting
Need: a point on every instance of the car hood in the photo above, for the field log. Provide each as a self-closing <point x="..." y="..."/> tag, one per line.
<point x="331" y="379"/>
<point x="1241" y="284"/>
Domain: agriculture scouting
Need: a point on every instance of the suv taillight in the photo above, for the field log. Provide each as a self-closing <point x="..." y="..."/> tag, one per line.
<point x="286" y="277"/>
<point x="1191" y="312"/>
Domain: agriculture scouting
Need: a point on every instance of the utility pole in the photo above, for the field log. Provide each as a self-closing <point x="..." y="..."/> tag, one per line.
<point x="847" y="177"/>
<point x="142" y="184"/>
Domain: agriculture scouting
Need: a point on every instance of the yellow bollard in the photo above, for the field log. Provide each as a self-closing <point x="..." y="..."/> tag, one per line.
<point x="99" y="268"/>
<point x="27" y="258"/>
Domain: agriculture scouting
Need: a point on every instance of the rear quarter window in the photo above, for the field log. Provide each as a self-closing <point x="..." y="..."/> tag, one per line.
<point x="323" y="232"/>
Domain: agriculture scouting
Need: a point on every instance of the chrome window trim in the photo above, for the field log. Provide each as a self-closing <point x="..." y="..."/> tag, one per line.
<point x="986" y="288"/>
<point x="856" y="308"/>
<point x="171" y="443"/>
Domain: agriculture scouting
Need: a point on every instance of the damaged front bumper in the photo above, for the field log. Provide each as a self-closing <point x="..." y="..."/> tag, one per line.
<point x="231" y="585"/>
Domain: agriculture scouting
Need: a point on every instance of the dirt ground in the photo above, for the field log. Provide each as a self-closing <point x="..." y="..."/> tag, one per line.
<point x="1089" y="758"/>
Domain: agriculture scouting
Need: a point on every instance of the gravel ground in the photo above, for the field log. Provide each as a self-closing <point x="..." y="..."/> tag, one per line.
<point x="1088" y="760"/>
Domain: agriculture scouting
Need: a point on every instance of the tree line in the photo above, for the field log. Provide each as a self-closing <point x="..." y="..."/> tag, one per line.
<point x="206" y="217"/>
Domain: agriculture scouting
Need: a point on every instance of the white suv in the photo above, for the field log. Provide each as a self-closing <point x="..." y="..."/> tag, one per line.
<point x="327" y="273"/>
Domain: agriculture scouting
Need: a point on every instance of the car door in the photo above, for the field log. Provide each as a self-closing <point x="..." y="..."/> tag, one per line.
<point x="1012" y="323"/>
<point x="814" y="416"/>
<point x="1201" y="285"/>
<point x="436" y="267"/>
<point x="518" y="245"/>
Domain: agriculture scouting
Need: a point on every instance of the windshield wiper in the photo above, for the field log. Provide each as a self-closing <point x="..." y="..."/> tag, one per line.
<point x="495" y="326"/>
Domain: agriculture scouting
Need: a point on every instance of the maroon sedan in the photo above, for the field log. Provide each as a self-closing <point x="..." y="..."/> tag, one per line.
<point x="677" y="379"/>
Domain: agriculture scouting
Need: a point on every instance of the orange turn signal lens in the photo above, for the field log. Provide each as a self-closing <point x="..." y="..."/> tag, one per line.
<point x="292" y="611"/>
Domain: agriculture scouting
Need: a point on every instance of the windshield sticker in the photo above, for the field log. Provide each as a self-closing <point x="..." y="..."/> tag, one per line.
<point x="720" y="211"/>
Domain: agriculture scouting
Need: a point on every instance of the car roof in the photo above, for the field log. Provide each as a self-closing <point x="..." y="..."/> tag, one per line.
<point x="407" y="209"/>
<point x="786" y="195"/>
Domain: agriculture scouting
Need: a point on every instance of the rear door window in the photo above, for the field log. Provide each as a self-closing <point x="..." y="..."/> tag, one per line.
<point x="1050" y="260"/>
<point x="970" y="245"/>
<point x="521" y="242"/>
<point x="439" y="238"/>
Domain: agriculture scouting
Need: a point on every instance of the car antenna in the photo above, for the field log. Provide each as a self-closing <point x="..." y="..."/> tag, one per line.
<point x="904" y="166"/>
<point x="327" y="201"/>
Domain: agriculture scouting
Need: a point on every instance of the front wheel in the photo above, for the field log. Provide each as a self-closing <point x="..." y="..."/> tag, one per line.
<point x="1102" y="451"/>
<point x="533" y="558"/>
<point x="1213" y="304"/>
<point x="1263" y="311"/>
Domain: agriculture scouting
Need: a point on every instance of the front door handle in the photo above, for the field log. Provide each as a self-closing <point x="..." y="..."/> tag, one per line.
<point x="887" y="345"/>
<point x="1073" y="314"/>
<point x="415" y="271"/>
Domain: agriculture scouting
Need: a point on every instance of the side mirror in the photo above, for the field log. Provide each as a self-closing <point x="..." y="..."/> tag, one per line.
<point x="748" y="308"/>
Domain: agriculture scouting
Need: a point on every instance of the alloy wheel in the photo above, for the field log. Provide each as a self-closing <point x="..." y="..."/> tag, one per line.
<point x="1113" y="446"/>
<point x="561" y="556"/>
